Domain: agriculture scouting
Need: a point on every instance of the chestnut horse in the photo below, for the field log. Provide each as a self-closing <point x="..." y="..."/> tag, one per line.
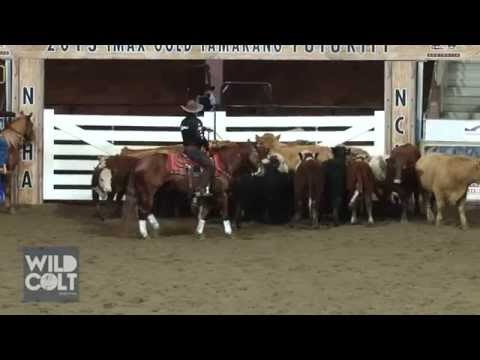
<point x="152" y="173"/>
<point x="15" y="134"/>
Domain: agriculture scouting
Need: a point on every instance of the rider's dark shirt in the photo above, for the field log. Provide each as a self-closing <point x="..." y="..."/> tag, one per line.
<point x="192" y="132"/>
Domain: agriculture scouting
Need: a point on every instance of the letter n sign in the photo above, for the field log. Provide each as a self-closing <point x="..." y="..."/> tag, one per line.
<point x="28" y="95"/>
<point x="400" y="97"/>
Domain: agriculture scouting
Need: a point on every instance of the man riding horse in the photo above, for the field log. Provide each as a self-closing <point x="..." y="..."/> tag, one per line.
<point x="193" y="142"/>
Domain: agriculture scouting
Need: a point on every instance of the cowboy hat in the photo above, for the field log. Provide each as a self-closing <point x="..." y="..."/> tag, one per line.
<point x="192" y="107"/>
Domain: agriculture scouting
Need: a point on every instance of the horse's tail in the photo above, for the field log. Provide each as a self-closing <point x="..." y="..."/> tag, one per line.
<point x="130" y="200"/>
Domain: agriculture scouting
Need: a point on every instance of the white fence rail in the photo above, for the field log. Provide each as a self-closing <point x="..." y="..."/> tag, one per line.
<point x="72" y="143"/>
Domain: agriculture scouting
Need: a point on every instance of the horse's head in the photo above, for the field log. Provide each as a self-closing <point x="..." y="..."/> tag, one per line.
<point x="238" y="158"/>
<point x="249" y="156"/>
<point x="23" y="125"/>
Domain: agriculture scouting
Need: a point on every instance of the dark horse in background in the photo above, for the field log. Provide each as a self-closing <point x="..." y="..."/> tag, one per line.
<point x="15" y="134"/>
<point x="154" y="172"/>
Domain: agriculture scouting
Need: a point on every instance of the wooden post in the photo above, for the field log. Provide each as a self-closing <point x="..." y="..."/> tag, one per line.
<point x="388" y="107"/>
<point x="216" y="71"/>
<point x="31" y="100"/>
<point x="402" y="94"/>
<point x="16" y="109"/>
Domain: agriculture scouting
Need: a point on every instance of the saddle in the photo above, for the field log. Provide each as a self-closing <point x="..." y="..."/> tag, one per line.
<point x="180" y="164"/>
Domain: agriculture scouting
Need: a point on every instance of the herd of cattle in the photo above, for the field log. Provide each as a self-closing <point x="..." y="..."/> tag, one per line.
<point x="298" y="180"/>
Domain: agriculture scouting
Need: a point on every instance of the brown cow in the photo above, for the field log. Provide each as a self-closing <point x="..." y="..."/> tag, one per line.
<point x="360" y="185"/>
<point x="309" y="185"/>
<point x="448" y="178"/>
<point x="401" y="177"/>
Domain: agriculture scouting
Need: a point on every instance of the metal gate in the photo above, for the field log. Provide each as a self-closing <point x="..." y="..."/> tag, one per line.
<point x="73" y="143"/>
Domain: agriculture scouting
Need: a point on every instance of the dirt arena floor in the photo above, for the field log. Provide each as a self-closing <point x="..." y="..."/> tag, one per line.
<point x="386" y="269"/>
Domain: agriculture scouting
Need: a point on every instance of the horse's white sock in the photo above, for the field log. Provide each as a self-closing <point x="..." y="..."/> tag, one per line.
<point x="200" y="226"/>
<point x="142" y="224"/>
<point x="153" y="221"/>
<point x="228" y="227"/>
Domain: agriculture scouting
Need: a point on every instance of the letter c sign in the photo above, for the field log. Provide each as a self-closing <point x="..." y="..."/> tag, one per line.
<point x="397" y="125"/>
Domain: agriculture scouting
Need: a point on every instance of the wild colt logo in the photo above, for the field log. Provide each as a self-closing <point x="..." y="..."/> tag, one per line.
<point x="51" y="274"/>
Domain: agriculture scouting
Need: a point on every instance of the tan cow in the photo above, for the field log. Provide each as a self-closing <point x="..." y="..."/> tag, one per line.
<point x="290" y="152"/>
<point x="448" y="178"/>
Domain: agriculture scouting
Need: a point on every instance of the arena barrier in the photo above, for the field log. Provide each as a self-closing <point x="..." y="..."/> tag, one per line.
<point x="73" y="143"/>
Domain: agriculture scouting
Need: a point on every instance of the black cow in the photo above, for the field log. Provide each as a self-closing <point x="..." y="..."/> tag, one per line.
<point x="336" y="193"/>
<point x="267" y="198"/>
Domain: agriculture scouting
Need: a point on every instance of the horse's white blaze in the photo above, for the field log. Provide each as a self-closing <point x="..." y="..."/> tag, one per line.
<point x="142" y="224"/>
<point x="153" y="221"/>
<point x="354" y="197"/>
<point x="201" y="226"/>
<point x="228" y="227"/>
